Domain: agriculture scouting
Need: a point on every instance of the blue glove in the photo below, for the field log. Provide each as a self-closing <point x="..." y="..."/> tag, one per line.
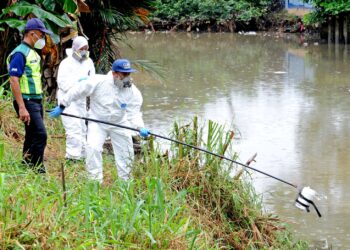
<point x="123" y="106"/>
<point x="144" y="132"/>
<point x="56" y="112"/>
<point x="83" y="79"/>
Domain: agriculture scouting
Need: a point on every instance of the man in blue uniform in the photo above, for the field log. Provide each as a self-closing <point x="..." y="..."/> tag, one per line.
<point x="25" y="78"/>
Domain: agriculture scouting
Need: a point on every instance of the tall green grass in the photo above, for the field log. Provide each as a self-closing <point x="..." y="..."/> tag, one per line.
<point x="226" y="209"/>
<point x="178" y="199"/>
<point x="123" y="214"/>
<point x="2" y="149"/>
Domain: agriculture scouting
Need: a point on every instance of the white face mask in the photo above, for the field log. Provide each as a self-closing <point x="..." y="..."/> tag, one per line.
<point x="81" y="55"/>
<point x="39" y="44"/>
<point x="84" y="53"/>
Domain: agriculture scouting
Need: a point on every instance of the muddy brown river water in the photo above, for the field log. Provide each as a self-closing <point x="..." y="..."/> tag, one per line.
<point x="289" y="100"/>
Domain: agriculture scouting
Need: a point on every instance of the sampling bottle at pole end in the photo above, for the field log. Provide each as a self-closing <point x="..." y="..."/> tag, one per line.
<point x="305" y="198"/>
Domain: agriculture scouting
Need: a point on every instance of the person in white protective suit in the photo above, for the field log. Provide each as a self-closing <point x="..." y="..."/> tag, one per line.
<point x="114" y="99"/>
<point x="74" y="68"/>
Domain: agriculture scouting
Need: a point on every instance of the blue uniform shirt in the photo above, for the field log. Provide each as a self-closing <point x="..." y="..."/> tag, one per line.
<point x="17" y="64"/>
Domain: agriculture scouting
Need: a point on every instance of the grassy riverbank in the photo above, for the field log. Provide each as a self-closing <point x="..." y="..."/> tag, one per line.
<point x="186" y="201"/>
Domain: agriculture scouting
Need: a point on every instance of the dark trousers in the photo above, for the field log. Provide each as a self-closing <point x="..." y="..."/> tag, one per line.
<point x="35" y="135"/>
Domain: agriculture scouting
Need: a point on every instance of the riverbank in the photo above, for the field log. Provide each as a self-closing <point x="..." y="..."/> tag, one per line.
<point x="279" y="20"/>
<point x="183" y="202"/>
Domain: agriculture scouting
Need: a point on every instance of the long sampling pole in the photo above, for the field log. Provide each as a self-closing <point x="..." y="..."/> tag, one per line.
<point x="185" y="144"/>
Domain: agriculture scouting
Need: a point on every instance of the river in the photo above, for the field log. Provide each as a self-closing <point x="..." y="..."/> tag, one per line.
<point x="289" y="100"/>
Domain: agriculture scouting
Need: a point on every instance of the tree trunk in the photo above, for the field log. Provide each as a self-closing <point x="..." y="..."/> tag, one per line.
<point x="345" y="29"/>
<point x="231" y="26"/>
<point x="329" y="31"/>
<point x="189" y="28"/>
<point x="337" y="30"/>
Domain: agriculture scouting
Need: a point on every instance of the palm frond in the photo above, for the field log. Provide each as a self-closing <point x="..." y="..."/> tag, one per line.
<point x="151" y="67"/>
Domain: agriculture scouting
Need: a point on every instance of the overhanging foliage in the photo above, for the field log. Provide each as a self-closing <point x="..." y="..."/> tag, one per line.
<point x="209" y="10"/>
<point x="326" y="8"/>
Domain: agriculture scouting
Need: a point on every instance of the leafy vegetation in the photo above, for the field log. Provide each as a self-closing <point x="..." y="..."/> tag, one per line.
<point x="67" y="18"/>
<point x="325" y="9"/>
<point x="110" y="19"/>
<point x="181" y="199"/>
<point x="212" y="13"/>
<point x="331" y="7"/>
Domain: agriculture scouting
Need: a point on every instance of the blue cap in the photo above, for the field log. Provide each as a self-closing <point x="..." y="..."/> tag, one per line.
<point x="36" y="24"/>
<point x="122" y="65"/>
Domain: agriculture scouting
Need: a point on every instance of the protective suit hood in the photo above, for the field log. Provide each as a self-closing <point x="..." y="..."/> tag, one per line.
<point x="69" y="52"/>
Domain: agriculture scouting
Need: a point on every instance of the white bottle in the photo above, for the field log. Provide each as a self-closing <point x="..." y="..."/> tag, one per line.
<point x="309" y="194"/>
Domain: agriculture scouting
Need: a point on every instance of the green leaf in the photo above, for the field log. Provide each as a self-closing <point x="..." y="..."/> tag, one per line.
<point x="2" y="90"/>
<point x="2" y="180"/>
<point x="23" y="9"/>
<point x="55" y="37"/>
<point x="14" y="23"/>
<point x="70" y="6"/>
<point x="49" y="4"/>
<point x="66" y="18"/>
<point x="150" y="236"/>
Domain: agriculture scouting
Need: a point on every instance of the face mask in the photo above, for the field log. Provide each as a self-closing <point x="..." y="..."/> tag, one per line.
<point x="127" y="82"/>
<point x="39" y="44"/>
<point x="84" y="54"/>
<point x="119" y="83"/>
<point x="80" y="55"/>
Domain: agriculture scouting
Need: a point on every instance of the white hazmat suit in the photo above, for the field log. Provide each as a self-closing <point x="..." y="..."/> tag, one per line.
<point x="70" y="72"/>
<point x="110" y="103"/>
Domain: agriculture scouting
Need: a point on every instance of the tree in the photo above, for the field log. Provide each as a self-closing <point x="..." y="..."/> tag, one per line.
<point x="327" y="8"/>
<point x="212" y="13"/>
<point x="101" y="21"/>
